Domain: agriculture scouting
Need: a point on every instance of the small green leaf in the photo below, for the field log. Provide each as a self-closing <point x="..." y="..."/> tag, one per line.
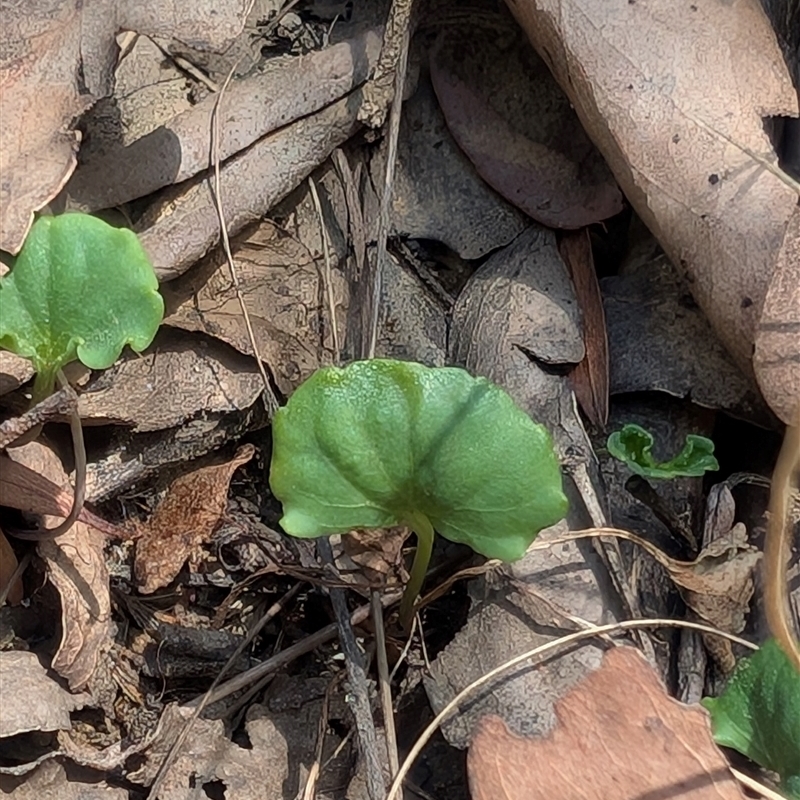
<point x="79" y="288"/>
<point x="633" y="445"/>
<point x="380" y="442"/>
<point x="758" y="714"/>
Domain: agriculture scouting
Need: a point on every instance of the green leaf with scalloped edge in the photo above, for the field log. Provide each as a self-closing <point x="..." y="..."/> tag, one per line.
<point x="758" y="714"/>
<point x="634" y="445"/>
<point x="79" y="288"/>
<point x="380" y="442"/>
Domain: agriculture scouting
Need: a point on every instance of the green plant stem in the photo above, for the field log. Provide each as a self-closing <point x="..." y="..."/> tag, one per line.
<point x="79" y="446"/>
<point x="421" y="525"/>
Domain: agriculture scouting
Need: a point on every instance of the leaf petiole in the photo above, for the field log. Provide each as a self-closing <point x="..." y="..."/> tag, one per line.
<point x="421" y="525"/>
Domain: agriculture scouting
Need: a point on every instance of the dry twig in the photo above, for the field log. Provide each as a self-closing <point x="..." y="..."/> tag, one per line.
<point x="357" y="676"/>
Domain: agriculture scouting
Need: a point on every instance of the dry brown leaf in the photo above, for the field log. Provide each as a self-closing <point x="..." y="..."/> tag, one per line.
<point x="283" y="287"/>
<point x="509" y="116"/>
<point x="777" y="354"/>
<point x="619" y="736"/>
<point x="32" y="699"/>
<point x="651" y="86"/>
<point x="76" y="567"/>
<point x="718" y="584"/>
<point x="8" y="565"/>
<point x="378" y="552"/>
<point x="411" y="325"/>
<point x="437" y="192"/>
<point x="518" y="607"/>
<point x="590" y="377"/>
<point x="183" y="521"/>
<point x="282" y="739"/>
<point x="517" y="323"/>
<point x="40" y="97"/>
<point x="14" y="371"/>
<point x="660" y="340"/>
<point x="57" y="59"/>
<point x="49" y="781"/>
<point x="179" y="378"/>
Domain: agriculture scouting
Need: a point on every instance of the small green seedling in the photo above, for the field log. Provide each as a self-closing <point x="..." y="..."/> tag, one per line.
<point x="758" y="714"/>
<point x="633" y="445"/>
<point x="79" y="288"/>
<point x="382" y="443"/>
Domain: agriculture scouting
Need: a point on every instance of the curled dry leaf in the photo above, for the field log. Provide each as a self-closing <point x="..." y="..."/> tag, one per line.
<point x="777" y="355"/>
<point x="664" y="95"/>
<point x="517" y="322"/>
<point x="76" y="566"/>
<point x="718" y="584"/>
<point x="183" y="521"/>
<point x="27" y="490"/>
<point x="619" y="735"/>
<point x="283" y="287"/>
<point x="57" y="59"/>
<point x="183" y="225"/>
<point x="507" y="113"/>
<point x="278" y="93"/>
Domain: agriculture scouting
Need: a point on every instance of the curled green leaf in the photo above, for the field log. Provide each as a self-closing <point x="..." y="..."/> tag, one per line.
<point x="384" y="442"/>
<point x="79" y="288"/>
<point x="758" y="714"/>
<point x="633" y="445"/>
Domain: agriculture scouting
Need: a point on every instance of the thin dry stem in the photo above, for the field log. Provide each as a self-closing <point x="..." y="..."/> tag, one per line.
<point x="777" y="547"/>
<point x="270" y="400"/>
<point x="323" y="232"/>
<point x="79" y="495"/>
<point x="310" y="790"/>
<point x="384" y="682"/>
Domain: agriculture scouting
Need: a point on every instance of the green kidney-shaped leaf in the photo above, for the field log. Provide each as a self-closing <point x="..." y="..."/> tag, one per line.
<point x="634" y="445"/>
<point x="380" y="441"/>
<point x="79" y="288"/>
<point x="758" y="714"/>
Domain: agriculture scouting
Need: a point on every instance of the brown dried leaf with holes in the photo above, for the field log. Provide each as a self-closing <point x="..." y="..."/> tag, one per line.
<point x="618" y="735"/>
<point x="183" y="521"/>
